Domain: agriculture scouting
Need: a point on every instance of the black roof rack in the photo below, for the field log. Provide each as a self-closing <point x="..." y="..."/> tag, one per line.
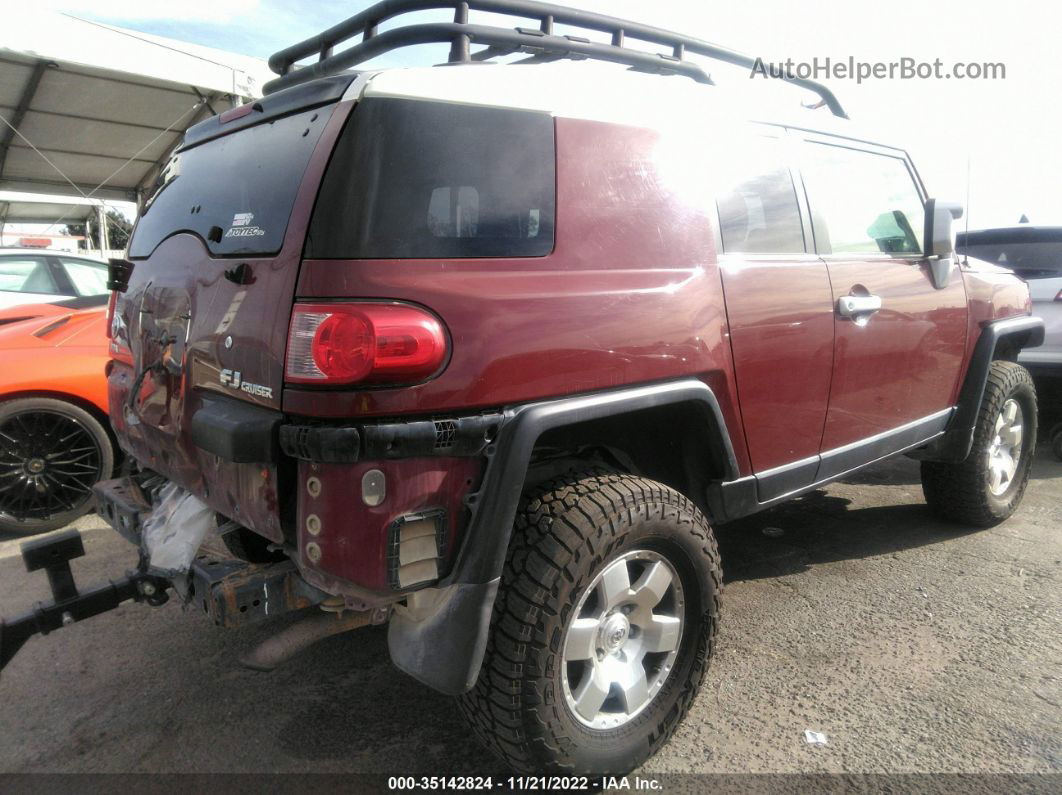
<point x="539" y="45"/>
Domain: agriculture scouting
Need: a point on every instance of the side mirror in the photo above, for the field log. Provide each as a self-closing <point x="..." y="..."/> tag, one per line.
<point x="940" y="240"/>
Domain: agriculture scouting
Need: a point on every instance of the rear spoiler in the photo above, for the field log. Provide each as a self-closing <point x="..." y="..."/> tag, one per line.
<point x="282" y="103"/>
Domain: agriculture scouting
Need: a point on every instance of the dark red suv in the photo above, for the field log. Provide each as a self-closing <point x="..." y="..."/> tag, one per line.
<point x="483" y="351"/>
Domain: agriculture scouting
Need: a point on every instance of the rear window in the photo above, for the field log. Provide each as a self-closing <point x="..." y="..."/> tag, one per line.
<point x="235" y="192"/>
<point x="414" y="179"/>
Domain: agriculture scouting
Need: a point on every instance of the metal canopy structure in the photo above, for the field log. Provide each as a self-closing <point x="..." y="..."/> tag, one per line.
<point x="29" y="208"/>
<point x="93" y="110"/>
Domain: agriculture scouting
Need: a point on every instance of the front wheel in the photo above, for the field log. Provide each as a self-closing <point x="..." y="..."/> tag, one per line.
<point x="988" y="486"/>
<point x="603" y="626"/>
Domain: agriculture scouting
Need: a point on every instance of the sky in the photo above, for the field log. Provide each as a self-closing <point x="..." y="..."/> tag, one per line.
<point x="1003" y="132"/>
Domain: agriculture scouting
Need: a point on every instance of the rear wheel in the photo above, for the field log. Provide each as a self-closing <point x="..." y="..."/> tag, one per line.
<point x="603" y="626"/>
<point x="988" y="486"/>
<point x="51" y="455"/>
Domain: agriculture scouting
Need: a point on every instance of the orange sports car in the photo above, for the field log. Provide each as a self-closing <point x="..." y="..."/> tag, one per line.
<point x="55" y="442"/>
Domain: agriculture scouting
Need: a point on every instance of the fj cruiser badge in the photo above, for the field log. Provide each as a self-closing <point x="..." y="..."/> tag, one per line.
<point x="234" y="380"/>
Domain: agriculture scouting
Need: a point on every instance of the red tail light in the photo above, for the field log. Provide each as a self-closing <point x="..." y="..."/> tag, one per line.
<point x="363" y="343"/>
<point x="1059" y="296"/>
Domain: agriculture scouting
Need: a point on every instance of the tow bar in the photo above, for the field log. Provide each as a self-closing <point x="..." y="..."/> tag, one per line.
<point x="68" y="605"/>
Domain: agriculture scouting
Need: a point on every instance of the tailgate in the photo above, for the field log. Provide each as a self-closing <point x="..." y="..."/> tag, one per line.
<point x="200" y="332"/>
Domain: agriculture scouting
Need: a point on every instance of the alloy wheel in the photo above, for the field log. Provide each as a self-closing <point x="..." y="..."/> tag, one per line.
<point x="1004" y="452"/>
<point x="623" y="639"/>
<point x="49" y="463"/>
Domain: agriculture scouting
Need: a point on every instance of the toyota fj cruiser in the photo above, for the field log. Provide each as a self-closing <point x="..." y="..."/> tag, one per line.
<point x="484" y="351"/>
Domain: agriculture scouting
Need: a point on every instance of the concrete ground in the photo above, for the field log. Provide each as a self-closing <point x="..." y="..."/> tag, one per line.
<point x="914" y="645"/>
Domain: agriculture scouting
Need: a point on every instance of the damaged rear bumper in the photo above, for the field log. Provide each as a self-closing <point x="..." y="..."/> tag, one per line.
<point x="169" y="527"/>
<point x="230" y="592"/>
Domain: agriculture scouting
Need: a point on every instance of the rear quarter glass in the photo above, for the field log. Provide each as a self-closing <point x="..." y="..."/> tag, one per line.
<point x="418" y="179"/>
<point x="236" y="191"/>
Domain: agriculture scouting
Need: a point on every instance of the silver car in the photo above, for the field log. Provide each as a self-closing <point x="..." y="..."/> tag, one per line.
<point x="33" y="276"/>
<point x="1035" y="254"/>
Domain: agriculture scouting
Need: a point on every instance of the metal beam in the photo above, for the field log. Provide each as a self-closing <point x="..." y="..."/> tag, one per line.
<point x="78" y="117"/>
<point x="98" y="155"/>
<point x="24" y="101"/>
<point x="70" y="68"/>
<point x="63" y="188"/>
<point x="147" y="179"/>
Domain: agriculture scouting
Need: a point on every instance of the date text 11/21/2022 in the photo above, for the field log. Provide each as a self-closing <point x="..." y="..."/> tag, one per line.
<point x="523" y="783"/>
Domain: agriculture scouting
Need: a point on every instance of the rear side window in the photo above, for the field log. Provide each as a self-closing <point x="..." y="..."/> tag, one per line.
<point x="87" y="278"/>
<point x="413" y="179"/>
<point x="862" y="202"/>
<point x="758" y="211"/>
<point x="235" y="192"/>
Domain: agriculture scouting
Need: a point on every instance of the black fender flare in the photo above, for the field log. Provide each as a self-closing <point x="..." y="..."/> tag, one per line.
<point x="440" y="635"/>
<point x="954" y="446"/>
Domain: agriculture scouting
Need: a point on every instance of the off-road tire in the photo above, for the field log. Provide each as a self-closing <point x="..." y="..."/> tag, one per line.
<point x="92" y="427"/>
<point x="961" y="492"/>
<point x="566" y="531"/>
<point x="1056" y="441"/>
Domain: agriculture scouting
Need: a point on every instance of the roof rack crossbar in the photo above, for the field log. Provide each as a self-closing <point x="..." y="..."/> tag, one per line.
<point x="541" y="44"/>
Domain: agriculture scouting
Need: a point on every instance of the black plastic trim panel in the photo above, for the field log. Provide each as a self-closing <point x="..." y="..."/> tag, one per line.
<point x="737" y="498"/>
<point x="455" y="437"/>
<point x="236" y="431"/>
<point x="444" y="647"/>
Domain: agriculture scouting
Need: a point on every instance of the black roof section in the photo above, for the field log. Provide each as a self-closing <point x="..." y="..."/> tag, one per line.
<point x="1023" y="233"/>
<point x="540" y="45"/>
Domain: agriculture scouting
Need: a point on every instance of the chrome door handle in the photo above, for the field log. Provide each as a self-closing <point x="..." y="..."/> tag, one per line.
<point x="858" y="305"/>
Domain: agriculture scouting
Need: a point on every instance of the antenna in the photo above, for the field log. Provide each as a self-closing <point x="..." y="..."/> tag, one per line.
<point x="966" y="256"/>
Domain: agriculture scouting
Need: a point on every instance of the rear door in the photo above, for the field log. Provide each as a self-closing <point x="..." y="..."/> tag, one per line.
<point x="216" y="256"/>
<point x="779" y="309"/>
<point x="899" y="341"/>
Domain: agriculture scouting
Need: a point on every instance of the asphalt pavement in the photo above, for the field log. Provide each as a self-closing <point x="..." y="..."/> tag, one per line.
<point x="914" y="645"/>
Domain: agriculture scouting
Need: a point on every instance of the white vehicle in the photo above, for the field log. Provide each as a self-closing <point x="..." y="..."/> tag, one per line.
<point x="1035" y="254"/>
<point x="36" y="276"/>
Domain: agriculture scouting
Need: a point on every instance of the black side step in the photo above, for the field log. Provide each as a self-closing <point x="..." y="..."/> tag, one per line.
<point x="53" y="553"/>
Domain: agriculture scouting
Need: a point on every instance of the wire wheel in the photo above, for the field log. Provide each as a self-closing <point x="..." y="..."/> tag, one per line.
<point x="49" y="462"/>
<point x="624" y="637"/>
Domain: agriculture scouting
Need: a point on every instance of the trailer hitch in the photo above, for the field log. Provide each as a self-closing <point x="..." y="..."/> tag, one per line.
<point x="69" y="605"/>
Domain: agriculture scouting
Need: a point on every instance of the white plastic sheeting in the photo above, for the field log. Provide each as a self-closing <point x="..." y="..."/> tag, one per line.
<point x="175" y="530"/>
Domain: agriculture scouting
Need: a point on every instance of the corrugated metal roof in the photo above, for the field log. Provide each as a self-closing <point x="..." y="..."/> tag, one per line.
<point x="97" y="108"/>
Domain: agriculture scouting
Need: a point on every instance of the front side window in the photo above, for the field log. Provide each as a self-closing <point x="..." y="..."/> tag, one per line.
<point x="414" y="179"/>
<point x="27" y="275"/>
<point x="862" y="202"/>
<point x="758" y="211"/>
